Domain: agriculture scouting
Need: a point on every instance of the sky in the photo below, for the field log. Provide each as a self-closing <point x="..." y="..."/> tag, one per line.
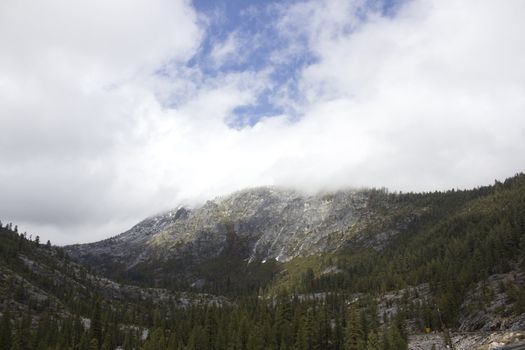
<point x="112" y="111"/>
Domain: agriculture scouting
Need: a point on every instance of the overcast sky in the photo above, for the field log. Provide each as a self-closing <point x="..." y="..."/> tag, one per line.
<point x="111" y="111"/>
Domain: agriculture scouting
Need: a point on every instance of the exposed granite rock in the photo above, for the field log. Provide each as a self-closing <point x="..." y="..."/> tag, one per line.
<point x="267" y="223"/>
<point x="488" y="306"/>
<point x="466" y="341"/>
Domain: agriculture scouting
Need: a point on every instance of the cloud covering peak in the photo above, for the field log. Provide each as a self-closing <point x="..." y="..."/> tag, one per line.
<point x="111" y="111"/>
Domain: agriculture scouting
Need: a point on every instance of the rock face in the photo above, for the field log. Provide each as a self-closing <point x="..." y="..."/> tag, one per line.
<point x="468" y="341"/>
<point x="257" y="224"/>
<point x="489" y="305"/>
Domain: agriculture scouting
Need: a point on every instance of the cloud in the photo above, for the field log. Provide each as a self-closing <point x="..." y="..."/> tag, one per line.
<point x="226" y="50"/>
<point x="438" y="89"/>
<point x="73" y="98"/>
<point x="109" y="112"/>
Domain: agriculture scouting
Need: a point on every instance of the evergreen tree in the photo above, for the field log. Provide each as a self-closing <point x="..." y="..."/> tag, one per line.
<point x="354" y="337"/>
<point x="255" y="340"/>
<point x="373" y="341"/>
<point x="84" y="342"/>
<point x="106" y="344"/>
<point x="18" y="341"/>
<point x="93" y="344"/>
<point x="156" y="341"/>
<point x="128" y="344"/>
<point x="5" y="331"/>
<point x="96" y="325"/>
<point x="396" y="339"/>
<point x="302" y="339"/>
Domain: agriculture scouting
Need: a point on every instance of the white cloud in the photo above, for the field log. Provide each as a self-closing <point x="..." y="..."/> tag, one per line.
<point x="431" y="98"/>
<point x="226" y="50"/>
<point x="435" y="94"/>
<point x="73" y="100"/>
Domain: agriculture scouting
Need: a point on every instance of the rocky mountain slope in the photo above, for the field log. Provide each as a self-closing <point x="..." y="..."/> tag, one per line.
<point x="252" y="226"/>
<point x="35" y="277"/>
<point x="274" y="224"/>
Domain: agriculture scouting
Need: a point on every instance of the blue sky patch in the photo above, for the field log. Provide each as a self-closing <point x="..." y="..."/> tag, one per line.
<point x="241" y="36"/>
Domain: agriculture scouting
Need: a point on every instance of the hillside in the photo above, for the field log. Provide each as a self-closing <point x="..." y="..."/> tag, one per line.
<point x="246" y="238"/>
<point x="41" y="287"/>
<point x="375" y="240"/>
<point x="352" y="269"/>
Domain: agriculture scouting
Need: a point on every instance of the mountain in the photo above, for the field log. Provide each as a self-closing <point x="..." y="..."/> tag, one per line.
<point x="272" y="268"/>
<point x="251" y="227"/>
<point x="366" y="241"/>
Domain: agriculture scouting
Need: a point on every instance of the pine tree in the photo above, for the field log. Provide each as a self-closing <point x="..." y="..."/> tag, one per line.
<point x="95" y="328"/>
<point x="39" y="337"/>
<point x="156" y="341"/>
<point x="197" y="339"/>
<point x="385" y="342"/>
<point x="373" y="342"/>
<point x="21" y="340"/>
<point x="255" y="340"/>
<point x="5" y="331"/>
<point x="302" y="341"/>
<point x="93" y="344"/>
<point x="173" y="341"/>
<point x="18" y="342"/>
<point x="106" y="344"/>
<point x="42" y="345"/>
<point x="84" y="342"/>
<point x="354" y="337"/>
<point x="338" y="333"/>
<point x="128" y="344"/>
<point x="396" y="339"/>
<point x="234" y="342"/>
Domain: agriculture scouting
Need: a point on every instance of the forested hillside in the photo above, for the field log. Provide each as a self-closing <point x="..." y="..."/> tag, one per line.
<point x="49" y="302"/>
<point x="461" y="238"/>
<point x="439" y="261"/>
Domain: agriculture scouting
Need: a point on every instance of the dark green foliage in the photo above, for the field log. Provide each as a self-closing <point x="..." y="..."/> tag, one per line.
<point x="355" y="338"/>
<point x="96" y="324"/>
<point x="6" y="336"/>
